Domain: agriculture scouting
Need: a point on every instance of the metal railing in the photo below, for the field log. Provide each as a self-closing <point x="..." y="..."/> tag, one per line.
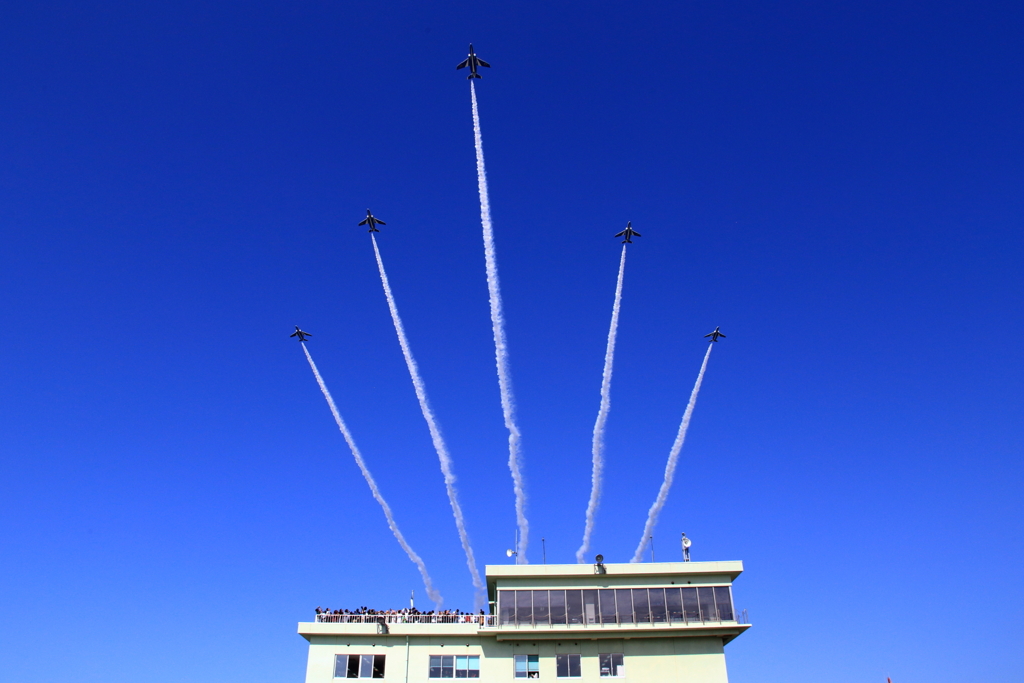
<point x="478" y="619"/>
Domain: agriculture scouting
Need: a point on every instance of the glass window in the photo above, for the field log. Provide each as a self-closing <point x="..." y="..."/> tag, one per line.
<point x="567" y="666"/>
<point x="590" y="606"/>
<point x="557" y="603"/>
<point x="641" y="607"/>
<point x="658" y="604"/>
<point x="442" y="666"/>
<point x="574" y="606"/>
<point x="507" y="606"/>
<point x="624" y="600"/>
<point x="527" y="666"/>
<point x="467" y="666"/>
<point x="540" y="607"/>
<point x="706" y="597"/>
<point x="723" y="601"/>
<point x="524" y="607"/>
<point x="359" y="666"/>
<point x="607" y="606"/>
<point x="691" y="609"/>
<point x="611" y="665"/>
<point x="674" y="603"/>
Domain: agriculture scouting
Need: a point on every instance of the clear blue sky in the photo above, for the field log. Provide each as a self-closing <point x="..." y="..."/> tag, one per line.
<point x="839" y="186"/>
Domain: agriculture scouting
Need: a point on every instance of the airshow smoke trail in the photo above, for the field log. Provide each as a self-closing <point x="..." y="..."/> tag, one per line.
<point x="597" y="445"/>
<point x="670" y="467"/>
<point x="508" y="405"/>
<point x="435" y="432"/>
<point x="432" y="592"/>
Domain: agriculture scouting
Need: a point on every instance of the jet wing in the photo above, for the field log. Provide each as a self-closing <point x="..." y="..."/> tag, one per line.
<point x="637" y="234"/>
<point x="708" y="334"/>
<point x="463" y="65"/>
<point x="379" y="221"/>
<point x="621" y="234"/>
<point x="363" y="222"/>
<point x="482" y="63"/>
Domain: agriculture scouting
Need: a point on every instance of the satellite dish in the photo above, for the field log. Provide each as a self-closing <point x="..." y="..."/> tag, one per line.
<point x="599" y="559"/>
<point x="686" y="542"/>
<point x="509" y="552"/>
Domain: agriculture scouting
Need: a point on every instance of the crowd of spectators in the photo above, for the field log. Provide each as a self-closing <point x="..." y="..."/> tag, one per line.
<point x="365" y="615"/>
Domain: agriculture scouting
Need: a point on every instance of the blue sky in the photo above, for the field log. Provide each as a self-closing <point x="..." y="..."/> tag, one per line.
<point x="837" y="186"/>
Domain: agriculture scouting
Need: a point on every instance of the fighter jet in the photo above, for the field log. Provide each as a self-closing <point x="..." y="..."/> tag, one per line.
<point x="628" y="233"/>
<point x="300" y="334"/>
<point x="714" y="335"/>
<point x="372" y="222"/>
<point x="472" y="61"/>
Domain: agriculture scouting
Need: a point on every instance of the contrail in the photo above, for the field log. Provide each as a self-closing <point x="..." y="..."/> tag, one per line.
<point x="508" y="404"/>
<point x="670" y="468"/>
<point x="432" y="592"/>
<point x="597" y="446"/>
<point x="435" y="433"/>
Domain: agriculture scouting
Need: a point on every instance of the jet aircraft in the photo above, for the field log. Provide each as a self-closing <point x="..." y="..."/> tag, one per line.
<point x="300" y="334"/>
<point x="714" y="335"/>
<point x="628" y="233"/>
<point x="372" y="222"/>
<point x="472" y="61"/>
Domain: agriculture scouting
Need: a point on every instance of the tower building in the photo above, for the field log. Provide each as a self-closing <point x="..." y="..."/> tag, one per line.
<point x="643" y="622"/>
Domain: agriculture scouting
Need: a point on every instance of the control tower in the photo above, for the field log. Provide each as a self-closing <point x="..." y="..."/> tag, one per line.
<point x="645" y="622"/>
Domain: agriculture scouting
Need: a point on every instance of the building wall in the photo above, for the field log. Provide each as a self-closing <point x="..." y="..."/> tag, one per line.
<point x="648" y="660"/>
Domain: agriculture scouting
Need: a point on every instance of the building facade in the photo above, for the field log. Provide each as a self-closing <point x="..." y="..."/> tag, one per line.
<point x="650" y="622"/>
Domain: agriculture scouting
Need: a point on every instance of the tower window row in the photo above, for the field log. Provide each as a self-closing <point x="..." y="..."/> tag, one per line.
<point x="616" y="605"/>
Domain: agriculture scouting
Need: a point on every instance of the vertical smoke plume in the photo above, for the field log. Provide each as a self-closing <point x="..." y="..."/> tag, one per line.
<point x="597" y="445"/>
<point x="670" y="467"/>
<point x="432" y="592"/>
<point x="508" y="405"/>
<point x="435" y="432"/>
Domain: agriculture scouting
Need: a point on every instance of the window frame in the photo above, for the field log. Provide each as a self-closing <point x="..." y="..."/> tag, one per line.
<point x="354" y="663"/>
<point x="619" y="668"/>
<point x="569" y="658"/>
<point x="527" y="670"/>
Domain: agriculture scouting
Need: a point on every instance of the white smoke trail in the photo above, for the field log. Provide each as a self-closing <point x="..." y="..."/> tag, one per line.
<point x="432" y="592"/>
<point x="508" y="405"/>
<point x="435" y="434"/>
<point x="597" y="445"/>
<point x="670" y="467"/>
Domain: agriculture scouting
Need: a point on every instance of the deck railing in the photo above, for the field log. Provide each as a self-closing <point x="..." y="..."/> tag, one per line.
<point x="478" y="619"/>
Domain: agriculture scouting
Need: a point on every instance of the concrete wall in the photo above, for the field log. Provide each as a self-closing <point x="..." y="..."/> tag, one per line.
<point x="647" y="660"/>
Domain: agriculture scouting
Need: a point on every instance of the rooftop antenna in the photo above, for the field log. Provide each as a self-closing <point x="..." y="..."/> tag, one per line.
<point x="651" y="539"/>
<point x="412" y="599"/>
<point x="686" y="543"/>
<point x="543" y="551"/>
<point x="514" y="553"/>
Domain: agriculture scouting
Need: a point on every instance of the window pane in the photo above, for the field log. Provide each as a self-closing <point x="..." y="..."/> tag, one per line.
<point x="605" y="662"/>
<point x="641" y="608"/>
<point x="607" y="606"/>
<point x="574" y="666"/>
<point x="366" y="666"/>
<point x="353" y="666"/>
<point x="611" y="665"/>
<point x="524" y="607"/>
<point x="507" y="606"/>
<point x="520" y="666"/>
<point x="378" y="666"/>
<point x="723" y="601"/>
<point x="690" y="607"/>
<point x="540" y="607"/>
<point x="435" y="666"/>
<point x="473" y="666"/>
<point x="624" y="600"/>
<point x="658" y="604"/>
<point x="674" y="603"/>
<point x="557" y="602"/>
<point x="340" y="665"/>
<point x="618" y="666"/>
<point x="574" y="607"/>
<point x="447" y="666"/>
<point x="533" y="665"/>
<point x="706" y="597"/>
<point x="562" y="666"/>
<point x="590" y="607"/>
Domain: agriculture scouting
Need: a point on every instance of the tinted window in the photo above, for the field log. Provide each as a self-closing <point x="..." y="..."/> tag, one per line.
<point x="540" y="607"/>
<point x="706" y="597"/>
<point x="674" y="603"/>
<point x="567" y="666"/>
<point x="690" y="606"/>
<point x="590" y="613"/>
<point x="574" y="606"/>
<point x="641" y="607"/>
<point x="657" y="604"/>
<point x="467" y="666"/>
<point x="524" y="607"/>
<point x="507" y="606"/>
<point x="611" y="665"/>
<point x="607" y="606"/>
<point x="723" y="601"/>
<point x="556" y="600"/>
<point x="624" y="601"/>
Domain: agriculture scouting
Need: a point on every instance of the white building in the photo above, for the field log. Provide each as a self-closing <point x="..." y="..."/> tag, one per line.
<point x="650" y="622"/>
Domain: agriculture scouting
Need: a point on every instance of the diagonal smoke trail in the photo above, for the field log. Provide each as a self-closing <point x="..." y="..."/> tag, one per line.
<point x="432" y="592"/>
<point x="597" y="446"/>
<point x="435" y="433"/>
<point x="670" y="467"/>
<point x="508" y="404"/>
